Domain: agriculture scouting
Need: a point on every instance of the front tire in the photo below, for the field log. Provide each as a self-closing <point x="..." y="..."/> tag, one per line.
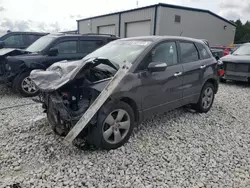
<point x="115" y="123"/>
<point x="24" y="86"/>
<point x="206" y="98"/>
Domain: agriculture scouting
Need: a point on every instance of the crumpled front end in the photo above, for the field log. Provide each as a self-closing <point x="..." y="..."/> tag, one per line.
<point x="67" y="91"/>
<point x="5" y="68"/>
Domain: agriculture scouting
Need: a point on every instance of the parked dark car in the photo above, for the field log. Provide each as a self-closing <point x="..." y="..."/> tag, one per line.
<point x="12" y="42"/>
<point x="166" y="73"/>
<point x="237" y="65"/>
<point x="46" y="51"/>
<point x="20" y="40"/>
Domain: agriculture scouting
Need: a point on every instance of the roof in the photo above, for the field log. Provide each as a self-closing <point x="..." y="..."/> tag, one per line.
<point x="82" y="35"/>
<point x="159" y="38"/>
<point x="26" y="32"/>
<point x="163" y="5"/>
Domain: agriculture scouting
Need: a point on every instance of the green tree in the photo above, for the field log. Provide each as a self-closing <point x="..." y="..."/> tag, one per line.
<point x="242" y="31"/>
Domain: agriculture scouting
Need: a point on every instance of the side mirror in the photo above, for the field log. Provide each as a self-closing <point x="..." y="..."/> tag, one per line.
<point x="157" y="67"/>
<point x="217" y="57"/>
<point x="2" y="44"/>
<point x="53" y="52"/>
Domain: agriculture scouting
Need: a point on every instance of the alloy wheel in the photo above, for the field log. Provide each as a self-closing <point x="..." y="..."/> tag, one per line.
<point x="116" y="126"/>
<point x="28" y="86"/>
<point x="207" y="98"/>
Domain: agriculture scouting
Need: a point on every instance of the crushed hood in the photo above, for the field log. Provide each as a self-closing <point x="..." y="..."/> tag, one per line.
<point x="236" y="58"/>
<point x="61" y="73"/>
<point x="11" y="51"/>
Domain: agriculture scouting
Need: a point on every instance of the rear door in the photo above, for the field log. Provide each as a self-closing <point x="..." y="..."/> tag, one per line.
<point x="161" y="91"/>
<point x="193" y="73"/>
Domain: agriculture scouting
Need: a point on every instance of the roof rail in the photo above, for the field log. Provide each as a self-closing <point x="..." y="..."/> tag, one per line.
<point x="99" y="34"/>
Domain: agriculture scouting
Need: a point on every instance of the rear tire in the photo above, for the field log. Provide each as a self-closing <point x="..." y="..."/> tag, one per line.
<point x="206" y="99"/>
<point x="115" y="123"/>
<point x="24" y="86"/>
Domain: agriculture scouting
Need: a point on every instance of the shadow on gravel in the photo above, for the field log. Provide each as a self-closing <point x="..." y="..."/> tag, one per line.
<point x="4" y="90"/>
<point x="165" y="117"/>
<point x="15" y="185"/>
<point x="238" y="83"/>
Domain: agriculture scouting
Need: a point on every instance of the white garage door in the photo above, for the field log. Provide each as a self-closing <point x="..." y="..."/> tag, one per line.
<point x="134" y="29"/>
<point x="107" y="29"/>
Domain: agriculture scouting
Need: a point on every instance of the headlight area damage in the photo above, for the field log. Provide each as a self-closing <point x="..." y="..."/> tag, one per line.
<point x="68" y="89"/>
<point x="6" y="52"/>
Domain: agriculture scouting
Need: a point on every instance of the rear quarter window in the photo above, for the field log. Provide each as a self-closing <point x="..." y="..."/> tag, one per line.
<point x="203" y="51"/>
<point x="32" y="38"/>
<point x="88" y="46"/>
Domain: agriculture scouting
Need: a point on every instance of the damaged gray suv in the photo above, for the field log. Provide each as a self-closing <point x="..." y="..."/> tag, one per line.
<point x="166" y="73"/>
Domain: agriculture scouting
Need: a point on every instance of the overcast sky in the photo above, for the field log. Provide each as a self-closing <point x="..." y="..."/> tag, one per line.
<point x="59" y="15"/>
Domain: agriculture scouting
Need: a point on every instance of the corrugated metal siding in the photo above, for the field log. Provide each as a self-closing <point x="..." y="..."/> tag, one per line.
<point x="91" y="26"/>
<point x="195" y="24"/>
<point x="140" y="15"/>
<point x="83" y="27"/>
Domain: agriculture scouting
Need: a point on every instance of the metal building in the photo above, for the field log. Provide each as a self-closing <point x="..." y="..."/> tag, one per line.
<point x="162" y="19"/>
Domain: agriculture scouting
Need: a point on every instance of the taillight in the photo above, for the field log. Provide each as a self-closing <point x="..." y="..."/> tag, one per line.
<point x="225" y="52"/>
<point x="221" y="72"/>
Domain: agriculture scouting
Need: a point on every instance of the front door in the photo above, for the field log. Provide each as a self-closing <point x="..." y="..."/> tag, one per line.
<point x="67" y="50"/>
<point x="161" y="91"/>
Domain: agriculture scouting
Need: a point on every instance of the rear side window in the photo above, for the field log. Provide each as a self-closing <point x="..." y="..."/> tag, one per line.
<point x="31" y="38"/>
<point x="88" y="46"/>
<point x="189" y="52"/>
<point x="203" y="51"/>
<point x="66" y="47"/>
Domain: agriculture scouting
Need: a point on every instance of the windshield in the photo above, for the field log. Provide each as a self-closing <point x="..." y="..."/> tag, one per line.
<point x="120" y="50"/>
<point x="242" y="50"/>
<point x="40" y="44"/>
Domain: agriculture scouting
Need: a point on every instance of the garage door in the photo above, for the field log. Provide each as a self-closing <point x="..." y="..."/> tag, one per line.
<point x="134" y="29"/>
<point x="107" y="29"/>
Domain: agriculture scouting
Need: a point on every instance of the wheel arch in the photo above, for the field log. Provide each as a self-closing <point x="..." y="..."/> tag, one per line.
<point x="214" y="82"/>
<point x="133" y="105"/>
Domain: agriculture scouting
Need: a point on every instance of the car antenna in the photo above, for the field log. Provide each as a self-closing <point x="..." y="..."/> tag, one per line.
<point x="181" y="32"/>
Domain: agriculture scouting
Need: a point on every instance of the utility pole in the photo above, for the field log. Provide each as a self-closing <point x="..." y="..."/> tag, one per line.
<point x="137" y="2"/>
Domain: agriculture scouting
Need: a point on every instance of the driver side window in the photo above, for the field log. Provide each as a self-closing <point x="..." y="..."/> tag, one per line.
<point x="14" y="40"/>
<point x="163" y="53"/>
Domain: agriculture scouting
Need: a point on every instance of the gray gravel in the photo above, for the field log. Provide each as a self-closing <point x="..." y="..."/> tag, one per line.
<point x="177" y="149"/>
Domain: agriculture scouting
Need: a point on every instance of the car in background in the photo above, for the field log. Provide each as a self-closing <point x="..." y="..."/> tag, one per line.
<point x="237" y="65"/>
<point x="46" y="51"/>
<point x="221" y="51"/>
<point x="167" y="73"/>
<point x="12" y="42"/>
<point x="19" y="39"/>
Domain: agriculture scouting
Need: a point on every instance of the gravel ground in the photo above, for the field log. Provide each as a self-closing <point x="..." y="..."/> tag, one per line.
<point x="177" y="149"/>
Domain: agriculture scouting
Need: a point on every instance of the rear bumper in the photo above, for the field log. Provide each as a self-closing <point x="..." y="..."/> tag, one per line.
<point x="238" y="76"/>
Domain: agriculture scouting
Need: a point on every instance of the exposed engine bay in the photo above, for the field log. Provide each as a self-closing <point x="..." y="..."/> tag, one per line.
<point x="65" y="105"/>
